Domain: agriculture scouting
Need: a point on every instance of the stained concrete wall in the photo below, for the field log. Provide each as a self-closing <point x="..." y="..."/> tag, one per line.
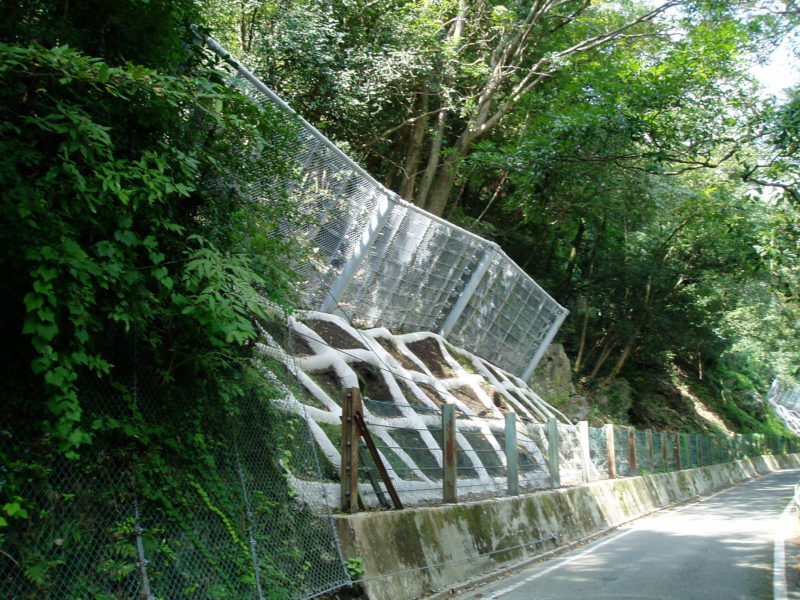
<point x="416" y="552"/>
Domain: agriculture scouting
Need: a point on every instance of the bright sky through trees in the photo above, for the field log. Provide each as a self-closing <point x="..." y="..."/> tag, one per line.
<point x="781" y="72"/>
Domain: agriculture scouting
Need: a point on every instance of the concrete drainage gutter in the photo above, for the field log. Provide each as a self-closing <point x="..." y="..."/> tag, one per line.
<point x="419" y="551"/>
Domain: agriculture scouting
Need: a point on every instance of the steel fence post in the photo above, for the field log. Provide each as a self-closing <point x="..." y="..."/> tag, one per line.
<point x="553" y="452"/>
<point x="544" y="345"/>
<point x="467" y="292"/>
<point x="512" y="467"/>
<point x="664" y="454"/>
<point x="377" y="221"/>
<point x="648" y="436"/>
<point x="449" y="449"/>
<point x="678" y="440"/>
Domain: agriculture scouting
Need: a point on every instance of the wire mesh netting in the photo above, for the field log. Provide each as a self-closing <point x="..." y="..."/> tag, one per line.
<point x="531" y="458"/>
<point x="671" y="444"/>
<point x="622" y="451"/>
<point x="642" y="452"/>
<point x="658" y="452"/>
<point x="570" y="450"/>
<point x="784" y="397"/>
<point x="409" y="442"/>
<point x="598" y="451"/>
<point x="380" y="261"/>
<point x="210" y="517"/>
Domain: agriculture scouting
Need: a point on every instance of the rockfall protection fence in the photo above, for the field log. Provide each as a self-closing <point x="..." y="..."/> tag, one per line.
<point x="380" y="261"/>
<point x="784" y="397"/>
<point x="436" y="456"/>
<point x="428" y="455"/>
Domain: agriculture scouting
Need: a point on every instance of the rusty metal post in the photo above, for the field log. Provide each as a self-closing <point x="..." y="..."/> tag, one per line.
<point x="449" y="458"/>
<point x="678" y="451"/>
<point x="664" y="454"/>
<point x="351" y="403"/>
<point x="633" y="467"/>
<point x="553" y="454"/>
<point x="651" y="465"/>
<point x="512" y="466"/>
<point x="612" y="453"/>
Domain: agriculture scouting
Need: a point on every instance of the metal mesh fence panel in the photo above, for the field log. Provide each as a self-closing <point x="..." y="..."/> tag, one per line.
<point x="691" y="450"/>
<point x="672" y="440"/>
<point x="570" y="455"/>
<point x="622" y="451"/>
<point x="413" y="273"/>
<point x="480" y="460"/>
<point x="210" y="517"/>
<point x="642" y="452"/>
<point x="598" y="450"/>
<point x="508" y="311"/>
<point x="784" y="397"/>
<point x="409" y="440"/>
<point x="785" y="393"/>
<point x="381" y="261"/>
<point x="531" y="457"/>
<point x="658" y="452"/>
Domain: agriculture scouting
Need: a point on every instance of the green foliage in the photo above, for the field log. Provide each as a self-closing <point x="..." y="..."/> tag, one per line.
<point x="626" y="181"/>
<point x="354" y="567"/>
<point x="112" y="226"/>
<point x="142" y="257"/>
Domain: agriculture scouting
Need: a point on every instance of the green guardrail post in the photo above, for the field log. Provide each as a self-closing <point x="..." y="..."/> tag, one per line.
<point x="512" y="463"/>
<point x="553" y="452"/>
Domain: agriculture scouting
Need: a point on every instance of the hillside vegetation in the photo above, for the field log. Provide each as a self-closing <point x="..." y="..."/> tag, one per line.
<point x="621" y="153"/>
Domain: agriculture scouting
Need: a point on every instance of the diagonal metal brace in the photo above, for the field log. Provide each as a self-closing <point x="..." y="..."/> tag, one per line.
<point x="376" y="457"/>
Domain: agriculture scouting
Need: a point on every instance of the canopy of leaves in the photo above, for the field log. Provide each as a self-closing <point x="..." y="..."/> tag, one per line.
<point x="619" y="151"/>
<point x="139" y="254"/>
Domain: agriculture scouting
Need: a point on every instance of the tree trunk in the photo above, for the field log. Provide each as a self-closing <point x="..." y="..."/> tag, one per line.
<point x="626" y="352"/>
<point x="414" y="151"/>
<point x="607" y="350"/>
<point x="571" y="261"/>
<point x="443" y="184"/>
<point x="433" y="166"/>
<point x="584" y="329"/>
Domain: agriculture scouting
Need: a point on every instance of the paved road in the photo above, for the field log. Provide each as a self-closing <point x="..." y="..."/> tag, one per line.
<point x="718" y="548"/>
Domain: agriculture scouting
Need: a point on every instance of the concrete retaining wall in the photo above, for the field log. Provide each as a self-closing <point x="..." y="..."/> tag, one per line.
<point x="415" y="552"/>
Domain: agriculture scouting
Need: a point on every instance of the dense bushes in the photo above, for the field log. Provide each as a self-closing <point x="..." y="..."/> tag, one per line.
<point x="138" y="247"/>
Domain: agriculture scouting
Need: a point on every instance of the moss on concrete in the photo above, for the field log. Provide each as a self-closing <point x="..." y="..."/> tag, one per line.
<point x="422" y="538"/>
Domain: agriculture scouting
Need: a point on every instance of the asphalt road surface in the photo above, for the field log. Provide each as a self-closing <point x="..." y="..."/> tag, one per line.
<point x="720" y="548"/>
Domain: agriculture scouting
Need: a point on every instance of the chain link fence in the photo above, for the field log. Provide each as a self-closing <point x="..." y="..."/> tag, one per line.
<point x="380" y="261"/>
<point x="200" y="508"/>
